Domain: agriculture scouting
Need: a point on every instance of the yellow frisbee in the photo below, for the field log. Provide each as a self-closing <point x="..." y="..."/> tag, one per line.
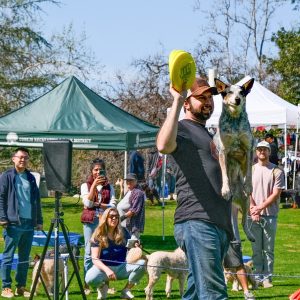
<point x="182" y="69"/>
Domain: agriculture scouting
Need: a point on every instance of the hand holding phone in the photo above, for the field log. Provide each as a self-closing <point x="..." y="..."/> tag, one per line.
<point x="102" y="172"/>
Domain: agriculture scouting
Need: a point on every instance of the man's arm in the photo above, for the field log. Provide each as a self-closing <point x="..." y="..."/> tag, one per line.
<point x="3" y="201"/>
<point x="166" y="138"/>
<point x="256" y="210"/>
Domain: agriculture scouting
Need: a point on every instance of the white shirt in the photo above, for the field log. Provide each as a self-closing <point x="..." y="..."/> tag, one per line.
<point x="84" y="191"/>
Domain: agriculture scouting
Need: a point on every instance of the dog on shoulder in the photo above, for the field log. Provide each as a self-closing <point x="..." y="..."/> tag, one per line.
<point x="231" y="277"/>
<point x="234" y="141"/>
<point x="173" y="263"/>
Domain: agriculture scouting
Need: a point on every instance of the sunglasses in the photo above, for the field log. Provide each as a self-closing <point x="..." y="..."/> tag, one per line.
<point x="113" y="217"/>
<point x="22" y="157"/>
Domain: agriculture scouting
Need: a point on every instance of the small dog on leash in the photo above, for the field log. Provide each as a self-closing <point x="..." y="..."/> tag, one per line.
<point x="230" y="276"/>
<point x="235" y="142"/>
<point x="47" y="271"/>
<point x="173" y="263"/>
<point x="151" y="193"/>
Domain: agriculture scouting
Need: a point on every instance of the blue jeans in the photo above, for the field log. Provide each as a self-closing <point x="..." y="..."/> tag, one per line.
<point x="16" y="236"/>
<point x="88" y="229"/>
<point x="205" y="245"/>
<point x="133" y="272"/>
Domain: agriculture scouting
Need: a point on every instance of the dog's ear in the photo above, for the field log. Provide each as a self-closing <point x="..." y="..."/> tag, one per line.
<point x="220" y="85"/>
<point x="247" y="86"/>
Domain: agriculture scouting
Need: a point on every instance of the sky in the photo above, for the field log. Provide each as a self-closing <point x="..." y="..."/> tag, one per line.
<point x="119" y="31"/>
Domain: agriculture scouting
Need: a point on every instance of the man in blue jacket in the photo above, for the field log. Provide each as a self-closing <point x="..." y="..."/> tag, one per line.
<point x="20" y="213"/>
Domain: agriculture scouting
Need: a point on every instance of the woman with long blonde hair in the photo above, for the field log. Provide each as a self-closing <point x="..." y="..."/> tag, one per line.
<point x="108" y="248"/>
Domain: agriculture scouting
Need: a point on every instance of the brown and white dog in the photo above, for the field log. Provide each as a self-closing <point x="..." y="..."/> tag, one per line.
<point x="230" y="276"/>
<point x="173" y="263"/>
<point x="235" y="142"/>
<point x="47" y="273"/>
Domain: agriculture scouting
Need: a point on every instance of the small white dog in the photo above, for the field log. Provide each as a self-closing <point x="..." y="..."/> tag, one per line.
<point x="173" y="263"/>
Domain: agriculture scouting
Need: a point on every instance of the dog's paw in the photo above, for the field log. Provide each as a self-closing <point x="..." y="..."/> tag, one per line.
<point x="226" y="193"/>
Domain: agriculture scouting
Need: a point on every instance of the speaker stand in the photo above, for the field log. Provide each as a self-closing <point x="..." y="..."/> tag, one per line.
<point x="55" y="223"/>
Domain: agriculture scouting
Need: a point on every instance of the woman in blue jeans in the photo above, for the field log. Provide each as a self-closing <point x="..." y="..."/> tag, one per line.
<point x="108" y="247"/>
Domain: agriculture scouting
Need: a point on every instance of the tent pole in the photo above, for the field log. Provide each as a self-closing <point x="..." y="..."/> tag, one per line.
<point x="125" y="170"/>
<point x="163" y="183"/>
<point x="285" y="155"/>
<point x="296" y="148"/>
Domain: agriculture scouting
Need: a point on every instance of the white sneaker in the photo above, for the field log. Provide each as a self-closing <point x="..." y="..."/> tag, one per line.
<point x="102" y="292"/>
<point x="126" y="294"/>
<point x="267" y="284"/>
<point x="249" y="296"/>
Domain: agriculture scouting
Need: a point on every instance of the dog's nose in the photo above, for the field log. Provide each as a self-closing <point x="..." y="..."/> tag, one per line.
<point x="237" y="101"/>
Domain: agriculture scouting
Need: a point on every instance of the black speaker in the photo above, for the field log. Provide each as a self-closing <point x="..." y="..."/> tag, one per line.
<point x="57" y="164"/>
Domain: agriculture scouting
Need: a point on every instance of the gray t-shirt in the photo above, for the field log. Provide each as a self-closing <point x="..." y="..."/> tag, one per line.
<point x="198" y="177"/>
<point x="22" y="185"/>
<point x="264" y="180"/>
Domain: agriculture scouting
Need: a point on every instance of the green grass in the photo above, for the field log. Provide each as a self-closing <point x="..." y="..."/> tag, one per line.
<point x="287" y="253"/>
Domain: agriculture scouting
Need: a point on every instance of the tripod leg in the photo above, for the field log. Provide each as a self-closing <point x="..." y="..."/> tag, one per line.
<point x="41" y="261"/>
<point x="72" y="258"/>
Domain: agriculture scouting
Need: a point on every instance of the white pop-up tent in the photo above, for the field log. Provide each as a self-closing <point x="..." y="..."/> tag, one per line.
<point x="264" y="108"/>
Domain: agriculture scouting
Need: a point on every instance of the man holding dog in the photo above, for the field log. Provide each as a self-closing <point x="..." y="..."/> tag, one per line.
<point x="267" y="182"/>
<point x="20" y="213"/>
<point x="202" y="217"/>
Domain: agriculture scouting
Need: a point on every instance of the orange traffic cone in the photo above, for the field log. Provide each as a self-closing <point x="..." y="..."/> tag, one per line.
<point x="295" y="296"/>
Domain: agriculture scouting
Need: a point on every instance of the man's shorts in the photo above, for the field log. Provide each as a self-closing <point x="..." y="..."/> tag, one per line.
<point x="234" y="256"/>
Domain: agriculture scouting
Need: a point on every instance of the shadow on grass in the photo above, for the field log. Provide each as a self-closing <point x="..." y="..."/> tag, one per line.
<point x="155" y="242"/>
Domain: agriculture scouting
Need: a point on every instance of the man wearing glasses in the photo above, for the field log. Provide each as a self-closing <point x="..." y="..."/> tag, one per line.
<point x="20" y="213"/>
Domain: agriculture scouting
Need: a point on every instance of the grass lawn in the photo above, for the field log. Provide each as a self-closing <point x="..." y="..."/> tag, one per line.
<point x="287" y="253"/>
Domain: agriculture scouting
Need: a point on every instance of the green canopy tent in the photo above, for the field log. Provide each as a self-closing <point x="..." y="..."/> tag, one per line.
<point x="72" y="111"/>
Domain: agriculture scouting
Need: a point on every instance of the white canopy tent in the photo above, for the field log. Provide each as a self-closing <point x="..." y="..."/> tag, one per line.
<point x="264" y="108"/>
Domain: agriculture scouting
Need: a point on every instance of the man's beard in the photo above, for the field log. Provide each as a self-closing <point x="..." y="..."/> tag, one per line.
<point x="200" y="115"/>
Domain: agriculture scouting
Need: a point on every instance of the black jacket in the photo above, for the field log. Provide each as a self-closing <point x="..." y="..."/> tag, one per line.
<point x="9" y="202"/>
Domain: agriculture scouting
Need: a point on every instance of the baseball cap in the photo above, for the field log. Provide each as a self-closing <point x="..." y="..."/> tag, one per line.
<point x="269" y="135"/>
<point x="263" y="144"/>
<point x="130" y="176"/>
<point x="200" y="86"/>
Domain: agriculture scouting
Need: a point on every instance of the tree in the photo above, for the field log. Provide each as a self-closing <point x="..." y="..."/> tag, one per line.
<point x="30" y="64"/>
<point x="287" y="65"/>
<point x="238" y="35"/>
<point x="146" y="95"/>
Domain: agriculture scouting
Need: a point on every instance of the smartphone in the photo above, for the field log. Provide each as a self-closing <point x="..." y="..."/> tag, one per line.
<point x="102" y="173"/>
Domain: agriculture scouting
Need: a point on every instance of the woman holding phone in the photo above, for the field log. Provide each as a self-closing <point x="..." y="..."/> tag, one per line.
<point x="97" y="195"/>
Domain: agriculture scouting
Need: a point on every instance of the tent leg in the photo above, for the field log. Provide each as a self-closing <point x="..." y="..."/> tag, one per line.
<point x="125" y="170"/>
<point x="285" y="155"/>
<point x="296" y="148"/>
